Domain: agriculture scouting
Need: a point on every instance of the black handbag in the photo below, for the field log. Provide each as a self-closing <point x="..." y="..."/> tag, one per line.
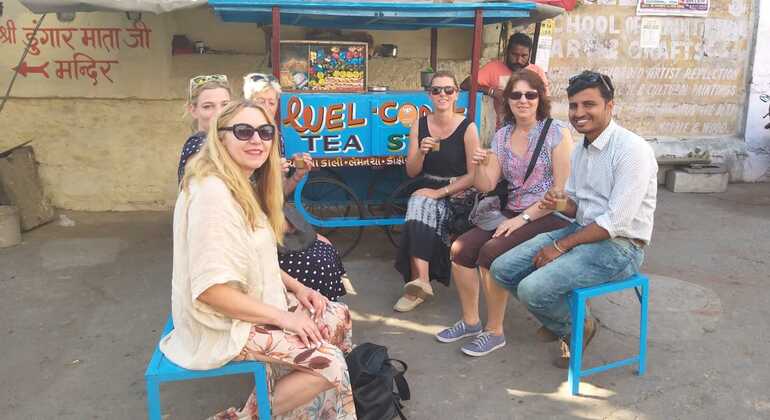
<point x="459" y="213"/>
<point x="378" y="382"/>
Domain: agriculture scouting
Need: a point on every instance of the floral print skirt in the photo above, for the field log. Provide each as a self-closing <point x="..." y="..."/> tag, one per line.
<point x="285" y="353"/>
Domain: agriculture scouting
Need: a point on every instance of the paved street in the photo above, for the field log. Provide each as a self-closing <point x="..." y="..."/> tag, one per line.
<point x="82" y="307"/>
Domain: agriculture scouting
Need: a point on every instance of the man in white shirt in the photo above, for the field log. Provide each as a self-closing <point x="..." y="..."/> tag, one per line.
<point x="611" y="193"/>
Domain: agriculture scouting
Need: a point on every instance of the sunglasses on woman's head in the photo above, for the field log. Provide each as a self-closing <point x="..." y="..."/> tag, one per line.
<point x="436" y="90"/>
<point x="255" y="77"/>
<point x="245" y="132"/>
<point x="530" y="95"/>
<point x="201" y="80"/>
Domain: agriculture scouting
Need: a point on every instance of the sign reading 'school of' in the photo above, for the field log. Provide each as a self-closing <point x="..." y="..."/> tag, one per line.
<point x="344" y="129"/>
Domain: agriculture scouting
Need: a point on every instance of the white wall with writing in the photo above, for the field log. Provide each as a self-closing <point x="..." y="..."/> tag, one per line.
<point x="757" y="136"/>
<point x="692" y="84"/>
<point x="96" y="55"/>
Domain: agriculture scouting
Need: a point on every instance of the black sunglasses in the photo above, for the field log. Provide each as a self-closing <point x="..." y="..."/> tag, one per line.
<point x="255" y="77"/>
<point x="592" y="77"/>
<point x="531" y="95"/>
<point x="436" y="90"/>
<point x="245" y="132"/>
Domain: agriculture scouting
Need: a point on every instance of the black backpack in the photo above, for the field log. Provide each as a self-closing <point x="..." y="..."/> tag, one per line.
<point x="372" y="376"/>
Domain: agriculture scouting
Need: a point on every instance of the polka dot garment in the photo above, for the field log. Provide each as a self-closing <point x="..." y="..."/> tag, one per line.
<point x="318" y="267"/>
<point x="191" y="146"/>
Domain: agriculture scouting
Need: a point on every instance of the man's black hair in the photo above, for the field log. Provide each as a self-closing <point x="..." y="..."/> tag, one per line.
<point x="591" y="79"/>
<point x="520" y="38"/>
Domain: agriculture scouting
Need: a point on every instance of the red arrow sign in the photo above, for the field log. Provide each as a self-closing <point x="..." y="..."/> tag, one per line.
<point x="24" y="69"/>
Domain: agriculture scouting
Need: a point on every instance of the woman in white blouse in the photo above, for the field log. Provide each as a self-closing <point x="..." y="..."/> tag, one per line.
<point x="229" y="299"/>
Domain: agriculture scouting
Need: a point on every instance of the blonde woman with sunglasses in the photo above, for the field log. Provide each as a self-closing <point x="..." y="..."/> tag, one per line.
<point x="207" y="95"/>
<point x="229" y="299"/>
<point x="302" y="243"/>
<point x="440" y="147"/>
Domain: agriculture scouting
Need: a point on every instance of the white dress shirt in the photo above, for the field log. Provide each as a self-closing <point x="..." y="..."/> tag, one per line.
<point x="614" y="183"/>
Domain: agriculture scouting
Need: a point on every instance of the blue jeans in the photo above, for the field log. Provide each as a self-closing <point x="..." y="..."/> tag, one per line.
<point x="544" y="291"/>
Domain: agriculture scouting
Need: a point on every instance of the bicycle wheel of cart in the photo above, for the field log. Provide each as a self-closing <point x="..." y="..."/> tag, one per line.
<point x="395" y="205"/>
<point x="326" y="198"/>
<point x="382" y="182"/>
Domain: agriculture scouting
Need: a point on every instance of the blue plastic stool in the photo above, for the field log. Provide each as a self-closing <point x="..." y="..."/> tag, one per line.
<point x="161" y="370"/>
<point x="577" y="301"/>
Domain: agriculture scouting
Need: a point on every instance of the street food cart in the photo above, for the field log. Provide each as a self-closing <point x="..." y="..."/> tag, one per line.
<point x="358" y="136"/>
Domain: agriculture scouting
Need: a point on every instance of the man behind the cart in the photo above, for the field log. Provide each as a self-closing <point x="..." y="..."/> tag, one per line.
<point x="494" y="75"/>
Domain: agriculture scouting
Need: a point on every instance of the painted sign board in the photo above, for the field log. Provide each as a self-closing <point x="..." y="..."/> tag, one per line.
<point x="343" y="129"/>
<point x="696" y="8"/>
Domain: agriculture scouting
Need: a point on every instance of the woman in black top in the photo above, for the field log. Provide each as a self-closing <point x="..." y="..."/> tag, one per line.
<point x="440" y="147"/>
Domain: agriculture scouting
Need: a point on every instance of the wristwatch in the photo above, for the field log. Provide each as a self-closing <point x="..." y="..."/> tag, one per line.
<point x="526" y="217"/>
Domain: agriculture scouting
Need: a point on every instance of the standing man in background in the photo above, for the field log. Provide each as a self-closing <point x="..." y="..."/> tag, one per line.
<point x="494" y="75"/>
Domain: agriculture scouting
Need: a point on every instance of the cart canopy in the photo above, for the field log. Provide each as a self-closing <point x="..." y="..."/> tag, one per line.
<point x="155" y="6"/>
<point x="378" y="15"/>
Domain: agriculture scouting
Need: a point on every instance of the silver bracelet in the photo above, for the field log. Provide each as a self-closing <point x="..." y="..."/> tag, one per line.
<point x="561" y="251"/>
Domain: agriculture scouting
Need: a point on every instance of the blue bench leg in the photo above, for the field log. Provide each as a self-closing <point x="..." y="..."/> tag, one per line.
<point x="576" y="341"/>
<point x="643" y="328"/>
<point x="263" y="396"/>
<point x="153" y="400"/>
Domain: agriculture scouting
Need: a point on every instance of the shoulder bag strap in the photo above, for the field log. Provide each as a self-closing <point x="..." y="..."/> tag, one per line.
<point x="538" y="148"/>
<point x="401" y="385"/>
<point x="501" y="189"/>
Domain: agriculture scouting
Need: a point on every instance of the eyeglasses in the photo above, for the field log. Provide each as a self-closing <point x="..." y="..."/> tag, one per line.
<point x="436" y="90"/>
<point x="255" y="77"/>
<point x="201" y="80"/>
<point x="530" y="95"/>
<point x="592" y="77"/>
<point x="245" y="132"/>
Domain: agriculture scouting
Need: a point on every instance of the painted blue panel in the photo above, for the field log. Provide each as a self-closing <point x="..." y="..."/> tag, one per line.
<point x="362" y="124"/>
<point x="326" y="124"/>
<point x="391" y="138"/>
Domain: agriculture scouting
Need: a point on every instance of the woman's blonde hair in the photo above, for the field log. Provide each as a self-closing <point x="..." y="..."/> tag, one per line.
<point x="263" y="193"/>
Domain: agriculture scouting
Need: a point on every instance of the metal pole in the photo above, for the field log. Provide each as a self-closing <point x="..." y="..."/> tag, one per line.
<point x="478" y="25"/>
<point x="535" y="42"/>
<point x="434" y="49"/>
<point x="275" y="43"/>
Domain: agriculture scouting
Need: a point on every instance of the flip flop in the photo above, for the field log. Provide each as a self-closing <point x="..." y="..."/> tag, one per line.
<point x="417" y="288"/>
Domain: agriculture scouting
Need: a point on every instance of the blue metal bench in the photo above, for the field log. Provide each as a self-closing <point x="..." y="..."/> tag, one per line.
<point x="577" y="301"/>
<point x="160" y="370"/>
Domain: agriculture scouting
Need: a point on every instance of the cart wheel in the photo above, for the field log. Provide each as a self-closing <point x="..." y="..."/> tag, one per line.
<point x="326" y="198"/>
<point x="381" y="185"/>
<point x="395" y="205"/>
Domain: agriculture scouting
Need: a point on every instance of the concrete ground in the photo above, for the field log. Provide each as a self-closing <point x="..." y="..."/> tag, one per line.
<point x="82" y="307"/>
